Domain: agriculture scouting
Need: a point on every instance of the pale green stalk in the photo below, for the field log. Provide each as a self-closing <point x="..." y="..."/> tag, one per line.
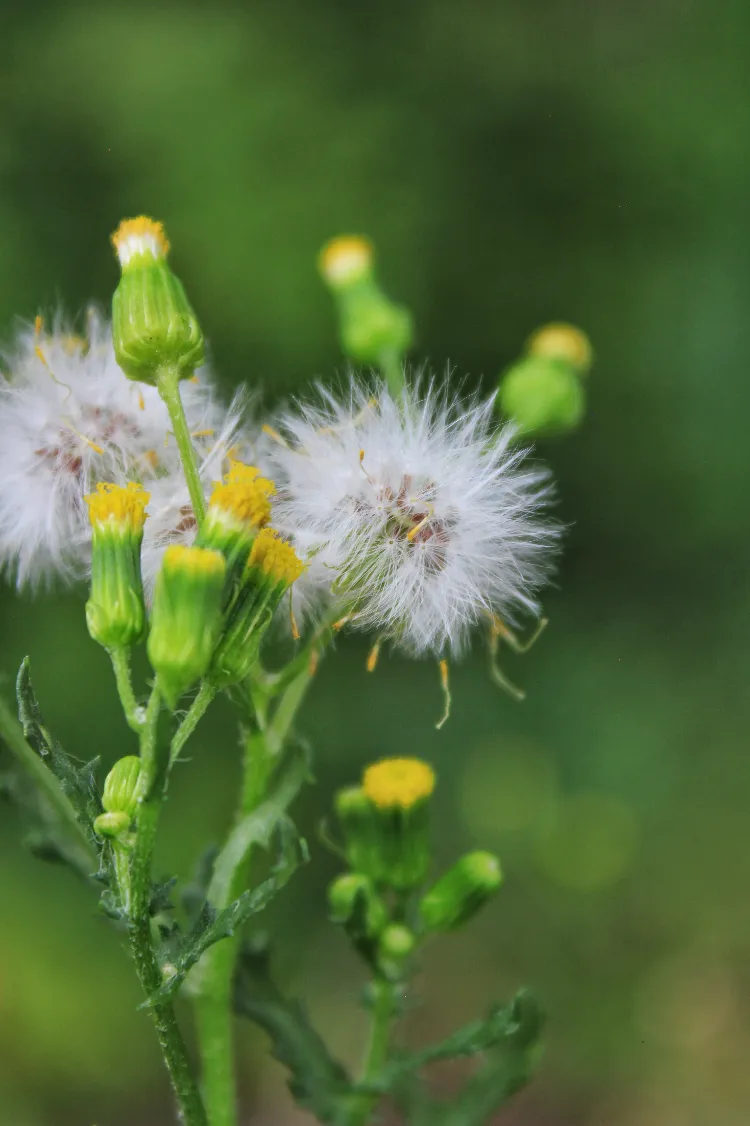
<point x="391" y="364"/>
<point x="151" y="797"/>
<point x="168" y="386"/>
<point x="383" y="1009"/>
<point x="257" y="816"/>
<point x="193" y="716"/>
<point x="134" y="713"/>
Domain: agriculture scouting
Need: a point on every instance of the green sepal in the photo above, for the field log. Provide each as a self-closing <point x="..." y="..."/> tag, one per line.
<point x="153" y="323"/>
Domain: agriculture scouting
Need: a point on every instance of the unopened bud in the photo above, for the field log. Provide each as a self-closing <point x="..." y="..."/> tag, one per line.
<point x="395" y="947"/>
<point x="115" y="612"/>
<point x="460" y="893"/>
<point x="111" y="824"/>
<point x="186" y="617"/>
<point x="153" y="324"/>
<point x="371" y="326"/>
<point x="356" y="905"/>
<point x="121" y="786"/>
<point x="542" y="396"/>
<point x="564" y="342"/>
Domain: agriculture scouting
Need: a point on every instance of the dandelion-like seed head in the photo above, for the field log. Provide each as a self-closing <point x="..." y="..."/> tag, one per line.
<point x="398" y="782"/>
<point x="118" y="505"/>
<point x="345" y="259"/>
<point x="276" y="557"/>
<point x="140" y="238"/>
<point x="243" y="495"/>
<point x="421" y="513"/>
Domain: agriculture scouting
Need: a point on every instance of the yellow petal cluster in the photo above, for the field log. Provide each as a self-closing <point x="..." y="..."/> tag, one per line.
<point x="193" y="560"/>
<point x="117" y="504"/>
<point x="244" y="495"/>
<point x="273" y="555"/>
<point x="398" y="782"/>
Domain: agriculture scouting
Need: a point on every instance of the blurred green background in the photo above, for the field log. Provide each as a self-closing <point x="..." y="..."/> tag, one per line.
<point x="514" y="162"/>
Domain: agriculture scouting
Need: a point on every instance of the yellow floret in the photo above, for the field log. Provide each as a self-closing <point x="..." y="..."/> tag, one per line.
<point x="244" y="494"/>
<point x="275" y="557"/>
<point x="140" y="236"/>
<point x="115" y="504"/>
<point x="194" y="560"/>
<point x="345" y="259"/>
<point x="559" y="341"/>
<point x="398" y="782"/>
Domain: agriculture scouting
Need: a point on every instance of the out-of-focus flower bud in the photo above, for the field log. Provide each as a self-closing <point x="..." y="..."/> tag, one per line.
<point x="460" y="893"/>
<point x="395" y="947"/>
<point x="563" y="342"/>
<point x="154" y="327"/>
<point x="186" y="617"/>
<point x="542" y="396"/>
<point x="115" y="613"/>
<point x="371" y="326"/>
<point x="356" y="905"/>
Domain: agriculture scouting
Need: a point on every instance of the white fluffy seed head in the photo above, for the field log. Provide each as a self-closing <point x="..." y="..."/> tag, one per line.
<point x="69" y="419"/>
<point x="418" y="514"/>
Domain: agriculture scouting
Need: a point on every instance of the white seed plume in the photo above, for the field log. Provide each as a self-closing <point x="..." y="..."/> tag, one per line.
<point x="418" y="514"/>
<point x="69" y="418"/>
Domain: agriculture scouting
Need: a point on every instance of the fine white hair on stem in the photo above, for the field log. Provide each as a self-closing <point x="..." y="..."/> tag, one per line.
<point x="69" y="419"/>
<point x="425" y="517"/>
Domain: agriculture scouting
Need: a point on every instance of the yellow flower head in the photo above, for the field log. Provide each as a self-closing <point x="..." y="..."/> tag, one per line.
<point x="275" y="557"/>
<point x="193" y="560"/>
<point x="398" y="782"/>
<point x="140" y="238"/>
<point x="345" y="259"/>
<point x="244" y="495"/>
<point x="559" y="341"/>
<point x="118" y="505"/>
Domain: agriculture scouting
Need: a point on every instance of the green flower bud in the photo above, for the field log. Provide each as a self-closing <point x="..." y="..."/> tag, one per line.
<point x="121" y="786"/>
<point x="354" y="902"/>
<point x="153" y="324"/>
<point x="111" y="824"/>
<point x="186" y="617"/>
<point x="115" y="613"/>
<point x="562" y="342"/>
<point x="370" y="324"/>
<point x="395" y="947"/>
<point x="542" y="396"/>
<point x="271" y="568"/>
<point x="386" y="822"/>
<point x="460" y="893"/>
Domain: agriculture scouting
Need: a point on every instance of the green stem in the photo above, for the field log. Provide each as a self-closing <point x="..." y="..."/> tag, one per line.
<point x="168" y="386"/>
<point x="192" y="718"/>
<point x="391" y="364"/>
<point x="151" y="797"/>
<point x="256" y="819"/>
<point x="12" y="735"/>
<point x="134" y="713"/>
<point x="377" y="1050"/>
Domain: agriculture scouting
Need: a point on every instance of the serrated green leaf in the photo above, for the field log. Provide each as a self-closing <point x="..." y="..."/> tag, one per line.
<point x="78" y="782"/>
<point x="178" y="956"/>
<point x="317" y="1081"/>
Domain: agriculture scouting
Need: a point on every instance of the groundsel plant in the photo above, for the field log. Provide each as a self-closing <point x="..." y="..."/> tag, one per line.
<point x="401" y="507"/>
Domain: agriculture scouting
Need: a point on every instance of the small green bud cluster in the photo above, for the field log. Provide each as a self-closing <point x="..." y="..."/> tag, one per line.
<point x="372" y="328"/>
<point x="543" y="392"/>
<point x="119" y="798"/>
<point x="385" y="826"/>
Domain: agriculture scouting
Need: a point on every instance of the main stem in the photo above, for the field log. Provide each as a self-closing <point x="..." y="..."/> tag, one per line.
<point x="168" y="386"/>
<point x="391" y="364"/>
<point x="377" y="1050"/>
<point x="151" y="796"/>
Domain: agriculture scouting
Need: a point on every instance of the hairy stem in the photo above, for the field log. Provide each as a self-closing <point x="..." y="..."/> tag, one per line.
<point x="168" y="386"/>
<point x="134" y="714"/>
<point x="151" y="797"/>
